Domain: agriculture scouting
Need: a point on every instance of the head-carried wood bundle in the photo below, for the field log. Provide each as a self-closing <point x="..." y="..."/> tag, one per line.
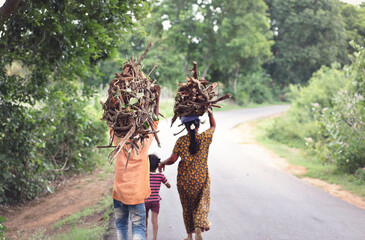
<point x="195" y="96"/>
<point x="129" y="108"/>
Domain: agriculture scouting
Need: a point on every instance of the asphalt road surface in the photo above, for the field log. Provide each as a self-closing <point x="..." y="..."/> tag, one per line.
<point x="251" y="199"/>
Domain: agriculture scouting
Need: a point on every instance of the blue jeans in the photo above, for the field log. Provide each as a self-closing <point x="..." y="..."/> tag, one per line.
<point x="137" y="215"/>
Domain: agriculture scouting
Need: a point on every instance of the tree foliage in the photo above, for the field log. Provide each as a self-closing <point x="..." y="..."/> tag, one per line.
<point x="170" y="63"/>
<point x="354" y="19"/>
<point x="308" y="34"/>
<point x="60" y="38"/>
<point x="43" y="125"/>
<point x="230" y="41"/>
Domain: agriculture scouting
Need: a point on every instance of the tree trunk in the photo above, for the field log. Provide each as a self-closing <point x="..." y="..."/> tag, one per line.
<point x="206" y="70"/>
<point x="236" y="80"/>
<point x="8" y="8"/>
<point x="187" y="56"/>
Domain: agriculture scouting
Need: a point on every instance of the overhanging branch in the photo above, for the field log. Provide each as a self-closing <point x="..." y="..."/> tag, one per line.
<point x="8" y="8"/>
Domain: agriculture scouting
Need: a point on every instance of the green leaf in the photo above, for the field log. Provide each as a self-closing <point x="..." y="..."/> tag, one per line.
<point x="133" y="101"/>
<point x="139" y="95"/>
<point x="154" y="117"/>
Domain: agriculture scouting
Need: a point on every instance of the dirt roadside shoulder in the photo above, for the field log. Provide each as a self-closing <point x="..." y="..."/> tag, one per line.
<point x="22" y="221"/>
<point x="244" y="133"/>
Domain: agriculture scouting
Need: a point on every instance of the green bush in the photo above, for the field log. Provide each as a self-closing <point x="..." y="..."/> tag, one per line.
<point x="342" y="134"/>
<point x="298" y="126"/>
<point x="54" y="138"/>
<point x="20" y="167"/>
<point x="323" y="85"/>
<point x="257" y="87"/>
<point x="288" y="130"/>
<point x="328" y="116"/>
<point x="2" y="228"/>
<point x="360" y="174"/>
<point x="70" y="132"/>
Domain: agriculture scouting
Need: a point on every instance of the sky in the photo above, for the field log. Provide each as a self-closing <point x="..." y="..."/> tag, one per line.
<point x="356" y="2"/>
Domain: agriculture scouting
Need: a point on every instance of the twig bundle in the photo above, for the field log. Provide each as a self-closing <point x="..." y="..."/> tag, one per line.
<point x="129" y="108"/>
<point x="195" y="97"/>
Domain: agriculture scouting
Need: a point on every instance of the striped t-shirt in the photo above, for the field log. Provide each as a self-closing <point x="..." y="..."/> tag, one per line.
<point x="155" y="184"/>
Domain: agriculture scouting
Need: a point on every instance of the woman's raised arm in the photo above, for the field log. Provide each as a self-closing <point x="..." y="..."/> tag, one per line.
<point x="171" y="160"/>
<point x="211" y="120"/>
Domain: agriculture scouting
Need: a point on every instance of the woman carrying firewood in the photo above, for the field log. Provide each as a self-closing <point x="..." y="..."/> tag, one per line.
<point x="193" y="182"/>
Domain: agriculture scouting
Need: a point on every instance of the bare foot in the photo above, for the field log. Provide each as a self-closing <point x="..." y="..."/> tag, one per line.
<point x="198" y="234"/>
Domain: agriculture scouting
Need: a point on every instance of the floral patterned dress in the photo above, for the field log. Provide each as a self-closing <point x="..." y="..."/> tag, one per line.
<point x="193" y="182"/>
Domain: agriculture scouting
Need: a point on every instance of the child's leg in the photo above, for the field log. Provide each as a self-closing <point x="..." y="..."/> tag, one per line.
<point x="155" y="209"/>
<point x="155" y="224"/>
<point x="190" y="237"/>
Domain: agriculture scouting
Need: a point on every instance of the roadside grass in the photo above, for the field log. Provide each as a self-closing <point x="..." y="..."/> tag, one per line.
<point x="76" y="233"/>
<point x="254" y="105"/>
<point x="96" y="232"/>
<point x="303" y="157"/>
<point x="75" y="223"/>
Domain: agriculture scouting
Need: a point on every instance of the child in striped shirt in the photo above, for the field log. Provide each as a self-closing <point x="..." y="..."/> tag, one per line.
<point x="153" y="201"/>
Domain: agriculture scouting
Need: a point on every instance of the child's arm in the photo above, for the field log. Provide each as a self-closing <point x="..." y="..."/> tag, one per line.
<point x="164" y="181"/>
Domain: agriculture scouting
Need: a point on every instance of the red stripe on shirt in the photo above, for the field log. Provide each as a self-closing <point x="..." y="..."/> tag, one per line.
<point x="155" y="184"/>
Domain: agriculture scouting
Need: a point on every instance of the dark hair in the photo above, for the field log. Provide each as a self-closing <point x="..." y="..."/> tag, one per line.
<point x="194" y="145"/>
<point x="154" y="161"/>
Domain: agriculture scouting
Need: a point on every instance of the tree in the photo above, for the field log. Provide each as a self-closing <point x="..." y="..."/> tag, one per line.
<point x="354" y="19"/>
<point x="53" y="42"/>
<point x="230" y="42"/>
<point x="228" y="39"/>
<point x="243" y="39"/>
<point x="189" y="32"/>
<point x="170" y="63"/>
<point x="308" y="34"/>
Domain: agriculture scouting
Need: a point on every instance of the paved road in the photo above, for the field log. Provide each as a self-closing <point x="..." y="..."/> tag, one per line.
<point x="250" y="199"/>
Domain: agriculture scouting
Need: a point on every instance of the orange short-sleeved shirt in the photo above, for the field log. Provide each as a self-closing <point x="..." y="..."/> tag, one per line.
<point x="132" y="187"/>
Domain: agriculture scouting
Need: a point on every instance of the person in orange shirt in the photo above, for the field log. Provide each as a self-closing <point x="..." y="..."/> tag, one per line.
<point x="132" y="187"/>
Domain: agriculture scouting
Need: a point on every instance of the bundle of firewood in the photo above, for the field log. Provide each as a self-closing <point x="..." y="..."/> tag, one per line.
<point x="195" y="97"/>
<point x="129" y="108"/>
